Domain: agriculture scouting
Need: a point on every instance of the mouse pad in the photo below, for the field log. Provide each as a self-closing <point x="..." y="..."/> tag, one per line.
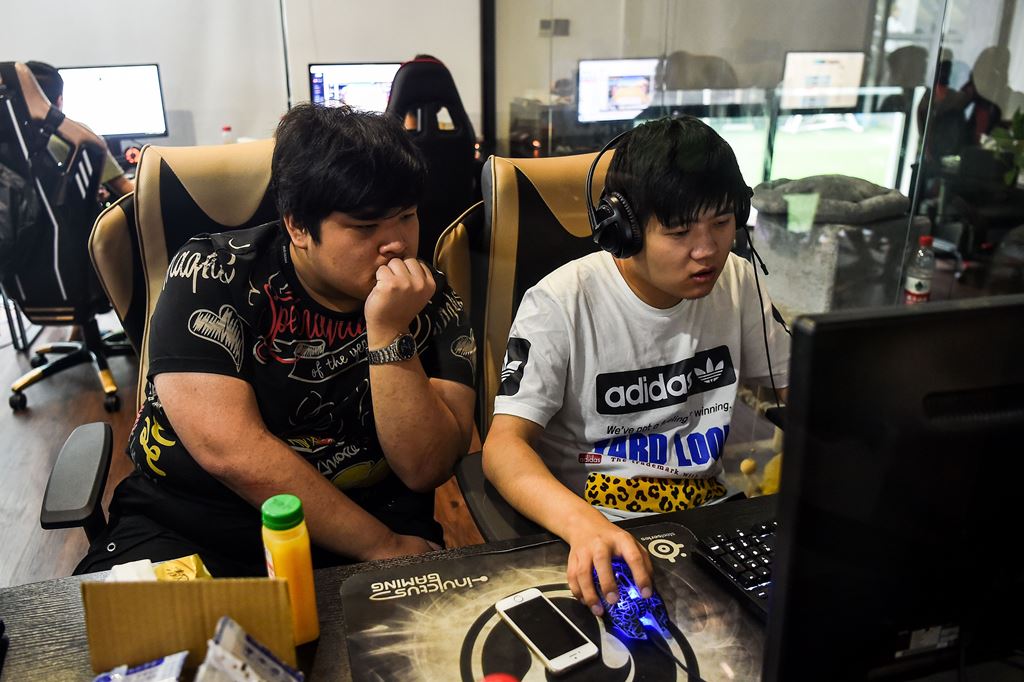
<point x="436" y="620"/>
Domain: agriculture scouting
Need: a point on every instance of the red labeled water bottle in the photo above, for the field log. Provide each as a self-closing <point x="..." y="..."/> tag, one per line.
<point x="917" y="287"/>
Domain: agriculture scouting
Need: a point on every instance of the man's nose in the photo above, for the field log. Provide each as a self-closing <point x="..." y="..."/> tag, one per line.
<point x="704" y="245"/>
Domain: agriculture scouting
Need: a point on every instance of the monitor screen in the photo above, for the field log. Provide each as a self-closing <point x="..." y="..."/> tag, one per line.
<point x="366" y="87"/>
<point x="899" y="493"/>
<point x="614" y="89"/>
<point x="116" y="101"/>
<point x="821" y="80"/>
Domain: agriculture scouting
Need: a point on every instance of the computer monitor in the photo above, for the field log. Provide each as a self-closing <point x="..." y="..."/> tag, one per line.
<point x="121" y="101"/>
<point x="821" y="81"/>
<point x="614" y="89"/>
<point x="366" y="87"/>
<point x="900" y="497"/>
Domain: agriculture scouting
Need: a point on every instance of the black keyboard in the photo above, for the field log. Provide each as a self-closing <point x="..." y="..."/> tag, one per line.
<point x="743" y="559"/>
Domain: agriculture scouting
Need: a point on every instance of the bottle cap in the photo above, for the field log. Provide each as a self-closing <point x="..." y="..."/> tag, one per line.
<point x="925" y="240"/>
<point x="226" y="129"/>
<point x="282" y="512"/>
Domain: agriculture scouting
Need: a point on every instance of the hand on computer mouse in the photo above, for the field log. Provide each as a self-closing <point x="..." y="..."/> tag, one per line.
<point x="632" y="613"/>
<point x="593" y="545"/>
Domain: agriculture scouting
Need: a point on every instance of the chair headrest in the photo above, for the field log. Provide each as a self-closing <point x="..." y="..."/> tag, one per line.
<point x="39" y="107"/>
<point x="421" y="81"/>
<point x="226" y="182"/>
<point x="561" y="182"/>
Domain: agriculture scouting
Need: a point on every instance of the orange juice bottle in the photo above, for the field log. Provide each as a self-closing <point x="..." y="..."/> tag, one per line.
<point x="286" y="544"/>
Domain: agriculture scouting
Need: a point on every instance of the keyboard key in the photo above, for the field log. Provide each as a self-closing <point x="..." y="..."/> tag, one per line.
<point x="763" y="573"/>
<point x="732" y="565"/>
<point x="748" y="579"/>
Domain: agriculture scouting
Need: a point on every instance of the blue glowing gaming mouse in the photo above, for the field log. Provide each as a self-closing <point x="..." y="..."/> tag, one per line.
<point x="632" y="613"/>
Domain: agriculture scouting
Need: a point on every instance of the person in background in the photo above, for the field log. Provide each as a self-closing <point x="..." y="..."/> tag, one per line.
<point x="621" y="372"/>
<point x="314" y="356"/>
<point x="52" y="85"/>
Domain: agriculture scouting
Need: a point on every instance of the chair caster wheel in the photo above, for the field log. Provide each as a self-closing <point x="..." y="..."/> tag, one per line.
<point x="112" y="402"/>
<point x="17" y="401"/>
<point x="37" y="360"/>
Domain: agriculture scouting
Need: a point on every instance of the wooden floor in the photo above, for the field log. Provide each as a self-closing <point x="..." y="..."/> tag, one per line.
<point x="31" y="439"/>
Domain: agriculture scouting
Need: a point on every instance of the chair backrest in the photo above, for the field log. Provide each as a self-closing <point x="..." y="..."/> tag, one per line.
<point x="180" y="192"/>
<point x="424" y="88"/>
<point x="533" y="219"/>
<point x="51" y="279"/>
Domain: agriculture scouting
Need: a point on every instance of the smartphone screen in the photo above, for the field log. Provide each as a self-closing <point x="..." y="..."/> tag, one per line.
<point x="545" y="627"/>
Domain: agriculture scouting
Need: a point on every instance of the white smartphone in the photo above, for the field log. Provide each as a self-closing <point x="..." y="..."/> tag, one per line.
<point x="546" y="630"/>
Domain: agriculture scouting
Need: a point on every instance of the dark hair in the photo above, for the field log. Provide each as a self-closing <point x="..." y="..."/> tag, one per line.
<point x="675" y="169"/>
<point x="330" y="159"/>
<point x="48" y="78"/>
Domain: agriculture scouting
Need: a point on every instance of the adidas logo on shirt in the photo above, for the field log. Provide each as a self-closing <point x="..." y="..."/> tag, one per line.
<point x="654" y="387"/>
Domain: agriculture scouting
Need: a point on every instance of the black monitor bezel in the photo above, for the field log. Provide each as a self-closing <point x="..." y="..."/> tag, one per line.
<point x="160" y="87"/>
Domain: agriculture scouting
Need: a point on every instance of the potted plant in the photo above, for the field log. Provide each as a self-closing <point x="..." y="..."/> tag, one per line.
<point x="1010" y="141"/>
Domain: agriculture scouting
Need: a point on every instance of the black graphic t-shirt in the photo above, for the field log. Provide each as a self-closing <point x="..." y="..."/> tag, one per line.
<point x="232" y="305"/>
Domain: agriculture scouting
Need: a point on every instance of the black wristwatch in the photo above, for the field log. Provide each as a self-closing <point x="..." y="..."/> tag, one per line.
<point x="402" y="348"/>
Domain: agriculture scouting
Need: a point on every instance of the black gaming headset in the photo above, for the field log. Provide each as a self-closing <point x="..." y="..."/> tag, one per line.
<point x="613" y="221"/>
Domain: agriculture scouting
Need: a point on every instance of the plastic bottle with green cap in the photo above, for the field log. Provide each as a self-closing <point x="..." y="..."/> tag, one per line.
<point x="286" y="544"/>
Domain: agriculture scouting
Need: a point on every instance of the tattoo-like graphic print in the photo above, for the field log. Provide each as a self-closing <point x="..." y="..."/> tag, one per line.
<point x="192" y="265"/>
<point x="223" y="328"/>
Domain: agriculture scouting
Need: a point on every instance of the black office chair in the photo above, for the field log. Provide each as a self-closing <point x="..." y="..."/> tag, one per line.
<point x="50" y="279"/>
<point x="424" y="96"/>
<point x="180" y="192"/>
<point x="533" y="219"/>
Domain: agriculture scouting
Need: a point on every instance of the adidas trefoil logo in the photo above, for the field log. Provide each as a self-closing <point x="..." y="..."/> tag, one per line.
<point x="711" y="372"/>
<point x="510" y="368"/>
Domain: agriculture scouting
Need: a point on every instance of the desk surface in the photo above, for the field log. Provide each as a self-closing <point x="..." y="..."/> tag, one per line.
<point x="47" y="630"/>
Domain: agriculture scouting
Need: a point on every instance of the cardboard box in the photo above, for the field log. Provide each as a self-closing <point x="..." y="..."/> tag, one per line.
<point x="136" y="622"/>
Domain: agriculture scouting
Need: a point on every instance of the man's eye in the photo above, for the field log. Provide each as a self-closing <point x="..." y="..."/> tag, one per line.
<point x="409" y="216"/>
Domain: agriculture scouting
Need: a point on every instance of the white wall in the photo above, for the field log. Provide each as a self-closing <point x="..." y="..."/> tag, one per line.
<point x="387" y="31"/>
<point x="222" y="61"/>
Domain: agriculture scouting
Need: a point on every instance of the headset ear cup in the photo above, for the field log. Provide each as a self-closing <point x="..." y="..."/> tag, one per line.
<point x="743" y="210"/>
<point x="631" y="235"/>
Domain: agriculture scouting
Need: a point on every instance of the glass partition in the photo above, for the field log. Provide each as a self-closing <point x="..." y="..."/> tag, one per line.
<point x="861" y="126"/>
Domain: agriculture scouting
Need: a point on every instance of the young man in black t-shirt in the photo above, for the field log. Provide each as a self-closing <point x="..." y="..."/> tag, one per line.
<point x="314" y="356"/>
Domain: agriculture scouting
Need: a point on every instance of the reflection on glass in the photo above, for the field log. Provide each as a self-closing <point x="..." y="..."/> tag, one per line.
<point x="861" y="145"/>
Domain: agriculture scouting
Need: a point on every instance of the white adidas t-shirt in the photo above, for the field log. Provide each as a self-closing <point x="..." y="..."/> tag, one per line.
<point x="625" y="389"/>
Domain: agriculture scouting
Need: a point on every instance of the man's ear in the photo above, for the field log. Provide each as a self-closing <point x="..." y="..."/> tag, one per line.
<point x="299" y="235"/>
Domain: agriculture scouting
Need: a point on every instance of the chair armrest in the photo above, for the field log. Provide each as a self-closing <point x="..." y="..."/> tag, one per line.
<point x="495" y="517"/>
<point x="76" y="484"/>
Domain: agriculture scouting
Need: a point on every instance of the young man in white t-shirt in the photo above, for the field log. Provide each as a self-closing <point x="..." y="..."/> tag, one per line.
<point x="621" y="370"/>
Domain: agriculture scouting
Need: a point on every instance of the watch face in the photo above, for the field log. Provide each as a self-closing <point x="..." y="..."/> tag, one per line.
<point x="406" y="347"/>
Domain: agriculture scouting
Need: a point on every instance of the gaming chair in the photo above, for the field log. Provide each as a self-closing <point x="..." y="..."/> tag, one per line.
<point x="49" y="276"/>
<point x="423" y="89"/>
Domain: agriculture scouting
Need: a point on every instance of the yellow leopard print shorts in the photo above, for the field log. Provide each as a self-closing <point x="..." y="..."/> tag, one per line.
<point x="646" y="494"/>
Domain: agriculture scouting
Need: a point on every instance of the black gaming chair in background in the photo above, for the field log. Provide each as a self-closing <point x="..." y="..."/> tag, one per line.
<point x="423" y="89"/>
<point x="51" y="278"/>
